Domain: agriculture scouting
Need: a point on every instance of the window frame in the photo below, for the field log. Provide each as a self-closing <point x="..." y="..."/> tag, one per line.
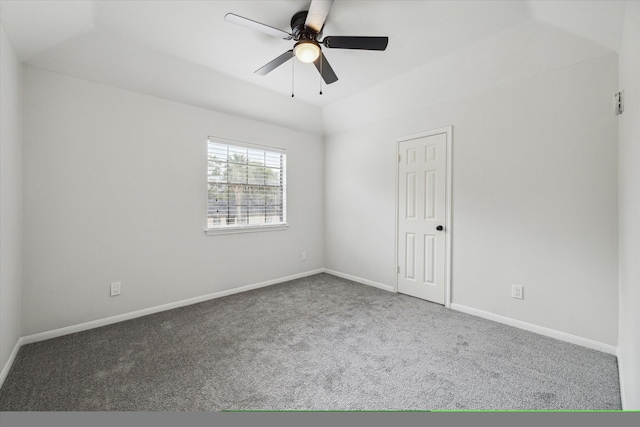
<point x="248" y="228"/>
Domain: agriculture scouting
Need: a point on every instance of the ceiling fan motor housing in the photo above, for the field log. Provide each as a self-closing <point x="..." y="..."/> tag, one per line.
<point x="299" y="30"/>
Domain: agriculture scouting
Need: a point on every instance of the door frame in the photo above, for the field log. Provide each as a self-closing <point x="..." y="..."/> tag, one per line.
<point x="448" y="130"/>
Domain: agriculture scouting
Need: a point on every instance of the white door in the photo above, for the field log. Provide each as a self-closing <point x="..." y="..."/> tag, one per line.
<point x="422" y="215"/>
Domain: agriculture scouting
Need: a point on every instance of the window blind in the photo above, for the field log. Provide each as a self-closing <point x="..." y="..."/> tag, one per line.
<point x="247" y="185"/>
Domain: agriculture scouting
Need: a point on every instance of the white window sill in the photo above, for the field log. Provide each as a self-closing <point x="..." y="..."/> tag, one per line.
<point x="245" y="229"/>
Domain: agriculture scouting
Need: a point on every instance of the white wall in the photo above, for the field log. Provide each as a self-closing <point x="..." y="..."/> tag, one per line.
<point x="518" y="53"/>
<point x="115" y="190"/>
<point x="127" y="65"/>
<point x="629" y="206"/>
<point x="10" y="201"/>
<point x="534" y="195"/>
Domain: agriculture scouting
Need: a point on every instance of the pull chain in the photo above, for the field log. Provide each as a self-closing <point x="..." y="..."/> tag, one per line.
<point x="292" y="68"/>
<point x="321" y="61"/>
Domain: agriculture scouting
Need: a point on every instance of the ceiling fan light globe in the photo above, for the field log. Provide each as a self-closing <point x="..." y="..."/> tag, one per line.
<point x="307" y="51"/>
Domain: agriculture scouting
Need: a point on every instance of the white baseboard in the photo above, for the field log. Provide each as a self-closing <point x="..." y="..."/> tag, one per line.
<point x="627" y="383"/>
<point x="360" y="280"/>
<point x="622" y="382"/>
<point x="563" y="336"/>
<point x="151" y="310"/>
<point x="9" y="364"/>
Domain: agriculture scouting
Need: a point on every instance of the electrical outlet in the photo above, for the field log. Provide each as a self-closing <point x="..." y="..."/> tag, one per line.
<point x="517" y="291"/>
<point x="303" y="257"/>
<point x="115" y="288"/>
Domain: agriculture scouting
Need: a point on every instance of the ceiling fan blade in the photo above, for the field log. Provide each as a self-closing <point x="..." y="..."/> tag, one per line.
<point x="275" y="63"/>
<point x="325" y="69"/>
<point x="347" y="42"/>
<point x="254" y="25"/>
<point x="318" y="12"/>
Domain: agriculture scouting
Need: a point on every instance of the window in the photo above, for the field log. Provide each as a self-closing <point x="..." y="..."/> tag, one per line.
<point x="247" y="187"/>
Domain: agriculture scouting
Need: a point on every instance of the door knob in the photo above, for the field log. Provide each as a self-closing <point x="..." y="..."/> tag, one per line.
<point x="439" y="228"/>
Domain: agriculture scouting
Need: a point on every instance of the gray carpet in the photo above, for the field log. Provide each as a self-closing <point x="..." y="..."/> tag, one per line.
<point x="319" y="342"/>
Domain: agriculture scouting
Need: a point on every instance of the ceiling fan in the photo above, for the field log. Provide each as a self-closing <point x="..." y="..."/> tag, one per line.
<point x="306" y="30"/>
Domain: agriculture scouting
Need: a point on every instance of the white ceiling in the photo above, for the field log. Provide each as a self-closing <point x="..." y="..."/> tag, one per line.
<point x="121" y="42"/>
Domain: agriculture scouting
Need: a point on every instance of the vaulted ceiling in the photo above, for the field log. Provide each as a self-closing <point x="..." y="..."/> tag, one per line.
<point x="184" y="50"/>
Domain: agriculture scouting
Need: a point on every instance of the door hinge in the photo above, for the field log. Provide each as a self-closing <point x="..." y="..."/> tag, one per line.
<point x="398" y="158"/>
<point x="398" y="269"/>
<point x="618" y="102"/>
